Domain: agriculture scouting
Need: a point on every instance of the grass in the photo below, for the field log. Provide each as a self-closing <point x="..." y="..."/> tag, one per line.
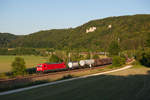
<point x="28" y="82"/>
<point x="31" y="61"/>
<point x="22" y="85"/>
<point x="136" y="64"/>
<point x="130" y="84"/>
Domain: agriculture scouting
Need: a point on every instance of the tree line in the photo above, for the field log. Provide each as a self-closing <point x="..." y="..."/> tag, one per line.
<point x="19" y="51"/>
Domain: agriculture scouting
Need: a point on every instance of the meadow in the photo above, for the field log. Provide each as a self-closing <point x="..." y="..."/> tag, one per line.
<point x="31" y="61"/>
<point x="130" y="84"/>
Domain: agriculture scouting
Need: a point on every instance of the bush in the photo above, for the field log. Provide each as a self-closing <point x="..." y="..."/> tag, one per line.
<point x="3" y="76"/>
<point x="143" y="56"/>
<point x="66" y="77"/>
<point x="18" y="66"/>
<point x="31" y="70"/>
<point x="118" y="61"/>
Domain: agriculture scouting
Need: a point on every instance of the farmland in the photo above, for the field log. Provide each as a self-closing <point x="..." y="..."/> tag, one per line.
<point x="31" y="61"/>
<point x="130" y="84"/>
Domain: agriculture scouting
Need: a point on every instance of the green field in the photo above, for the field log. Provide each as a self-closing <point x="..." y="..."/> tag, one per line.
<point x="31" y="61"/>
<point x="130" y="84"/>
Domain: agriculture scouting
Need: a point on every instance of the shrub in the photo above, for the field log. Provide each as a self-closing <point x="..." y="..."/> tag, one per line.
<point x="118" y="61"/>
<point x="18" y="66"/>
<point x="143" y="56"/>
<point x="3" y="76"/>
<point x="66" y="77"/>
<point x="31" y="70"/>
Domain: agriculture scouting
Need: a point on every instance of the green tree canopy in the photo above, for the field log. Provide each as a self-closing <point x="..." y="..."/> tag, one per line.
<point x="114" y="48"/>
<point x="132" y="30"/>
<point x="95" y="56"/>
<point x="148" y="40"/>
<point x="18" y="66"/>
<point x="76" y="57"/>
<point x="54" y="58"/>
<point x="143" y="57"/>
<point x="88" y="56"/>
<point x="118" y="61"/>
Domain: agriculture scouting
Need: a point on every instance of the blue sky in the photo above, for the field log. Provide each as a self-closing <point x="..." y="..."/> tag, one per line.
<point x="27" y="16"/>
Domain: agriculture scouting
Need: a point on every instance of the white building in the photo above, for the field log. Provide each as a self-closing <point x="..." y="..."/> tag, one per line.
<point x="91" y="29"/>
<point x="109" y="26"/>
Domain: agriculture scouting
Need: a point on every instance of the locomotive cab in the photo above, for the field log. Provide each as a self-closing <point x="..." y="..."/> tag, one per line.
<point x="39" y="68"/>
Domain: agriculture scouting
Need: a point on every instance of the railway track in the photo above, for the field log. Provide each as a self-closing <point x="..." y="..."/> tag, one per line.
<point x="56" y="73"/>
<point x="69" y="71"/>
<point x="52" y="73"/>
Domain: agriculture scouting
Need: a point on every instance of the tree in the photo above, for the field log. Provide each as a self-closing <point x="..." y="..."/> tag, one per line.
<point x="53" y="58"/>
<point x="143" y="57"/>
<point x="88" y="56"/>
<point x="114" y="48"/>
<point x="148" y="40"/>
<point x="118" y="61"/>
<point x="76" y="57"/>
<point x="18" y="66"/>
<point x="95" y="56"/>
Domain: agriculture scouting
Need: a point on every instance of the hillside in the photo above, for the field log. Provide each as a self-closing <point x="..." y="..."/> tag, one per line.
<point x="130" y="31"/>
<point x="6" y="38"/>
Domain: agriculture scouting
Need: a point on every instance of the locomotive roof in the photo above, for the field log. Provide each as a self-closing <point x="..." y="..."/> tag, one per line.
<point x="53" y="63"/>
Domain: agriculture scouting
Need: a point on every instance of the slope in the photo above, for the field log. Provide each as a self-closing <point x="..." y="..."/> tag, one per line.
<point x="130" y="31"/>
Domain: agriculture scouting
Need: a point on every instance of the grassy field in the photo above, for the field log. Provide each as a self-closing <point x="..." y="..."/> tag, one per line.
<point x="31" y="61"/>
<point x="130" y="84"/>
<point x="54" y="77"/>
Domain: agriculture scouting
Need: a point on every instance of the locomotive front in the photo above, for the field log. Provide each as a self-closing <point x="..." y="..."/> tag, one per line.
<point x="39" y="68"/>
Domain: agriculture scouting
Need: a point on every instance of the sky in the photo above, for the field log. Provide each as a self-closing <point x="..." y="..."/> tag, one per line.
<point x="22" y="17"/>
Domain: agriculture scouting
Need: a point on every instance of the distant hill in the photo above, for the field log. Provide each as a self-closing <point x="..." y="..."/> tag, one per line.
<point x="6" y="38"/>
<point x="130" y="32"/>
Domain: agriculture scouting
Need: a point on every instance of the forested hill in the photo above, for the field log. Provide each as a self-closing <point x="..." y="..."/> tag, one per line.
<point x="6" y="38"/>
<point x="130" y="32"/>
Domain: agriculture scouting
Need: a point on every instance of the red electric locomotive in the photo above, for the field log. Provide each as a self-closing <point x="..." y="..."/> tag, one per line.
<point x="50" y="67"/>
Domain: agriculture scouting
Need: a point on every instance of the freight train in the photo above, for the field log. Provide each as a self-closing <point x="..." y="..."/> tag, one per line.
<point x="72" y="65"/>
